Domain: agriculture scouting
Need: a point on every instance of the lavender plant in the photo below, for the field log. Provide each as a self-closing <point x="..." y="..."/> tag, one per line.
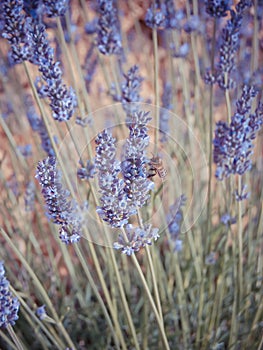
<point x="134" y="280"/>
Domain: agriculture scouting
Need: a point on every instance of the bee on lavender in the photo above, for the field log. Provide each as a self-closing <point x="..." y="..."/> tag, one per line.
<point x="156" y="167"/>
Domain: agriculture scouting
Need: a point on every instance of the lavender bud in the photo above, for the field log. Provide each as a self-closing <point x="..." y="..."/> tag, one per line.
<point x="41" y="312"/>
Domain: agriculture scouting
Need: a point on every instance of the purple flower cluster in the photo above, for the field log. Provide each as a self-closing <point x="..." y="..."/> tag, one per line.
<point x="130" y="90"/>
<point x="86" y="172"/>
<point x="228" y="49"/>
<point x="233" y="143"/>
<point x="60" y="209"/>
<point x="55" y="8"/>
<point x="137" y="185"/>
<point x="38" y="125"/>
<point x="108" y="29"/>
<point x="9" y="305"/>
<point x="13" y="29"/>
<point x="217" y="8"/>
<point x="135" y="238"/>
<point x="174" y="220"/>
<point x="62" y="100"/>
<point x="114" y="208"/>
<point x="155" y="15"/>
<point x="28" y="40"/>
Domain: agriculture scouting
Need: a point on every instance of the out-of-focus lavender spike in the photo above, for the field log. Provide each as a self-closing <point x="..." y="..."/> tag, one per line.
<point x="89" y="67"/>
<point x="91" y="27"/>
<point x="155" y="15"/>
<point x="135" y="239"/>
<point x="86" y="172"/>
<point x="233" y="143"/>
<point x="55" y="8"/>
<point x="171" y="17"/>
<point x="108" y="29"/>
<point x="164" y="113"/>
<point x="130" y="91"/>
<point x="114" y="208"/>
<point x="174" y="220"/>
<point x="217" y="8"/>
<point x="242" y="195"/>
<point x="38" y="125"/>
<point x="228" y="48"/>
<point x="227" y="219"/>
<point x="26" y="150"/>
<point x="60" y="208"/>
<point x="9" y="305"/>
<point x="30" y="196"/>
<point x="180" y="52"/>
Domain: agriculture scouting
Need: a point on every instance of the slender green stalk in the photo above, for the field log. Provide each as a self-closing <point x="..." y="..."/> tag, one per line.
<point x="240" y="244"/>
<point x="14" y="337"/>
<point x="156" y="90"/>
<point x="151" y="301"/>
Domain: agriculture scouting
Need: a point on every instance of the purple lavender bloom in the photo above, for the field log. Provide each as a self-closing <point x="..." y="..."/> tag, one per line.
<point x="30" y="196"/>
<point x="228" y="220"/>
<point x="217" y="8"/>
<point x="130" y="90"/>
<point x="86" y="172"/>
<point x="233" y="143"/>
<point x="62" y="100"/>
<point x="38" y="125"/>
<point x="13" y="29"/>
<point x="242" y="195"/>
<point x="155" y="15"/>
<point x="136" y="238"/>
<point x="180" y="52"/>
<point x="164" y="115"/>
<point x="55" y="8"/>
<point x="108" y="29"/>
<point x="114" y="207"/>
<point x="228" y="49"/>
<point x="41" y="312"/>
<point x="9" y="305"/>
<point x="60" y="209"/>
<point x="137" y="185"/>
<point x="90" y="65"/>
<point x="26" y="150"/>
<point x="91" y="27"/>
<point x="174" y="220"/>
<point x="171" y="17"/>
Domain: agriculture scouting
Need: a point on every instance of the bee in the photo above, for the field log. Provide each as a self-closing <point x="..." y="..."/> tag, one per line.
<point x="156" y="167"/>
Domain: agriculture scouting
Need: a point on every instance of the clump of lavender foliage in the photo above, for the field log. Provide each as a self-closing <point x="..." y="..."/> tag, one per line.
<point x="233" y="143"/>
<point x="60" y="209"/>
<point x="9" y="305"/>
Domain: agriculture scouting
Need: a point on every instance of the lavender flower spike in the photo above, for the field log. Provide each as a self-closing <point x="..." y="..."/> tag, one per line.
<point x="108" y="29"/>
<point x="9" y="306"/>
<point x="233" y="143"/>
<point x="114" y="207"/>
<point x="60" y="209"/>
